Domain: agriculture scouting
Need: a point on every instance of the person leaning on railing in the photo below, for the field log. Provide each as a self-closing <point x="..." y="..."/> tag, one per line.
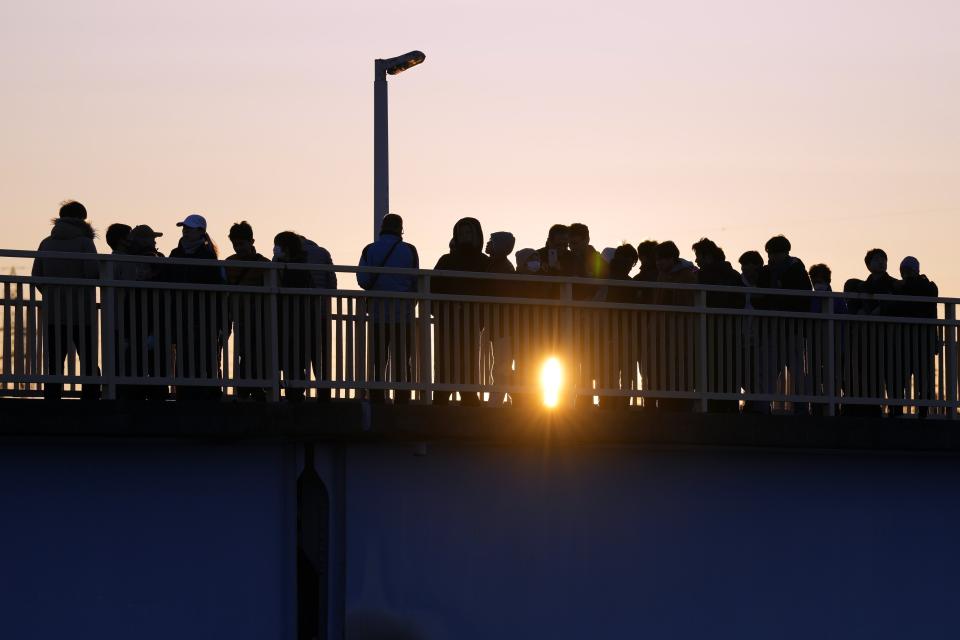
<point x="922" y="367"/>
<point x="295" y="319"/>
<point x="69" y="311"/>
<point x="391" y="320"/>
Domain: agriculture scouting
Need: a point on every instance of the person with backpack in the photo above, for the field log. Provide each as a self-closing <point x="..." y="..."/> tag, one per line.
<point x="391" y="320"/>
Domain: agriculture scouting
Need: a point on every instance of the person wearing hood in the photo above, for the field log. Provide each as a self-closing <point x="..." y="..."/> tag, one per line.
<point x="499" y="247"/>
<point x="69" y="311"/>
<point x="198" y="346"/>
<point x="465" y="255"/>
<point x="395" y="344"/>
<point x="922" y="368"/>
<point x="787" y="272"/>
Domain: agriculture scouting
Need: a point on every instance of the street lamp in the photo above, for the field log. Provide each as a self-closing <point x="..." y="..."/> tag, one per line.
<point x="381" y="157"/>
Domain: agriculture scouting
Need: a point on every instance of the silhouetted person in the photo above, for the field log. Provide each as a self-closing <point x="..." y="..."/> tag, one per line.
<point x="199" y="312"/>
<point x="116" y="237"/>
<point x="458" y="349"/>
<point x="820" y="277"/>
<point x="715" y="270"/>
<point x="723" y="339"/>
<point x="622" y="371"/>
<point x="392" y="321"/>
<point x="499" y="247"/>
<point x="879" y="282"/>
<point x="319" y="347"/>
<point x="673" y="269"/>
<point x="788" y="272"/>
<point x="855" y="366"/>
<point x="921" y="358"/>
<point x="647" y="253"/>
<point x="140" y="342"/>
<point x="757" y="355"/>
<point x="249" y="342"/>
<point x="295" y="317"/>
<point x="69" y="310"/>
<point x="554" y="257"/>
<point x="586" y="262"/>
<point x="675" y="356"/>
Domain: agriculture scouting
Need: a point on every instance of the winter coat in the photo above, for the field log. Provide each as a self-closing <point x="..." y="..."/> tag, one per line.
<point x="404" y="256"/>
<point x="791" y="274"/>
<point x="590" y="265"/>
<point x="194" y="274"/>
<point x="65" y="304"/>
<point x="648" y="273"/>
<point x="462" y="259"/>
<point x="318" y="255"/>
<point x="880" y="284"/>
<point x="722" y="274"/>
<point x="918" y="286"/>
<point x="682" y="272"/>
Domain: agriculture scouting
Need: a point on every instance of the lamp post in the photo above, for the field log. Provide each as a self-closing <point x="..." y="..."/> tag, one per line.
<point x="381" y="157"/>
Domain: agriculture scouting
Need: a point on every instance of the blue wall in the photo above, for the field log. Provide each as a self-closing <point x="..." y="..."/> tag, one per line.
<point x="147" y="540"/>
<point x="618" y="542"/>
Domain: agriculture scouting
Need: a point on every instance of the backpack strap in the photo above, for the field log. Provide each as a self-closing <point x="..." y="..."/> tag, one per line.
<point x="376" y="276"/>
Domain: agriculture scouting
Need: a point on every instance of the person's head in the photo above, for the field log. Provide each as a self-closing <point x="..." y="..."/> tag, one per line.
<point x="527" y="260"/>
<point x="241" y="237"/>
<point x="468" y="234"/>
<point x="579" y="238"/>
<point x="142" y="240"/>
<point x="73" y="209"/>
<point x="778" y="249"/>
<point x="500" y="245"/>
<point x="751" y="262"/>
<point x="288" y="247"/>
<point x="853" y="285"/>
<point x="117" y="236"/>
<point x="558" y="237"/>
<point x="707" y="252"/>
<point x="392" y="224"/>
<point x="876" y="261"/>
<point x="820" y="275"/>
<point x="909" y="267"/>
<point x="623" y="261"/>
<point x="194" y="230"/>
<point x="667" y="256"/>
<point x="647" y="250"/>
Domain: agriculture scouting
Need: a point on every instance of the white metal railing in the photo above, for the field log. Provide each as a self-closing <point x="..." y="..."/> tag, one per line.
<point x="486" y="335"/>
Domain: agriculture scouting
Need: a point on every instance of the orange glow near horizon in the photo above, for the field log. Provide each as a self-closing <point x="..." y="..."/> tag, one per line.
<point x="551" y="381"/>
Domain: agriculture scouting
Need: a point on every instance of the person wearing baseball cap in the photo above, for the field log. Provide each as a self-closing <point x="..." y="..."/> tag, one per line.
<point x="199" y="359"/>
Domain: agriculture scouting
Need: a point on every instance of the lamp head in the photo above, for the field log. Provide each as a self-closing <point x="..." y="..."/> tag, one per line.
<point x="393" y="66"/>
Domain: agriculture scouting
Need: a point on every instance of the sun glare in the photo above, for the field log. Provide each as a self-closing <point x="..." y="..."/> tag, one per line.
<point x="551" y="378"/>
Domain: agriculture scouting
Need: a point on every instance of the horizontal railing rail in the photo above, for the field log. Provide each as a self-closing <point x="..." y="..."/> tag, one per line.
<point x="481" y="336"/>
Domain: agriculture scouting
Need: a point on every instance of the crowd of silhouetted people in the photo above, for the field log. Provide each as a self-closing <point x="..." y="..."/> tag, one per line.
<point x="566" y="253"/>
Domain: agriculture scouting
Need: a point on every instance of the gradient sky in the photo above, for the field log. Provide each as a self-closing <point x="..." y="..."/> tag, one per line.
<point x="835" y="123"/>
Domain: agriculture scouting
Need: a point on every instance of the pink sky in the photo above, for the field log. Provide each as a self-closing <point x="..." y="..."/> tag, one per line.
<point x="834" y="123"/>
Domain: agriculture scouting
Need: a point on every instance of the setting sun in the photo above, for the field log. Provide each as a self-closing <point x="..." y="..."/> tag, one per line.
<point x="551" y="379"/>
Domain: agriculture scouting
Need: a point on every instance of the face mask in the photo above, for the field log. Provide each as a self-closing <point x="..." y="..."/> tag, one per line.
<point x="277" y="252"/>
<point x="533" y="265"/>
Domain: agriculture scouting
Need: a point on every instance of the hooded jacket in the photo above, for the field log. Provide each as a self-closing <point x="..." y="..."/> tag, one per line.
<point x="463" y="257"/>
<point x="64" y="304"/>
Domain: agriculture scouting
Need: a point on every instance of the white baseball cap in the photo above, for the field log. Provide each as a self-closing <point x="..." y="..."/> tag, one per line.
<point x="194" y="221"/>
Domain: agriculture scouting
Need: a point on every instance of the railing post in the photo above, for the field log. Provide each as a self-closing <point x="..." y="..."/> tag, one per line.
<point x="425" y="351"/>
<point x="701" y="355"/>
<point x="108" y="330"/>
<point x="829" y="367"/>
<point x="950" y="313"/>
<point x="273" y="350"/>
